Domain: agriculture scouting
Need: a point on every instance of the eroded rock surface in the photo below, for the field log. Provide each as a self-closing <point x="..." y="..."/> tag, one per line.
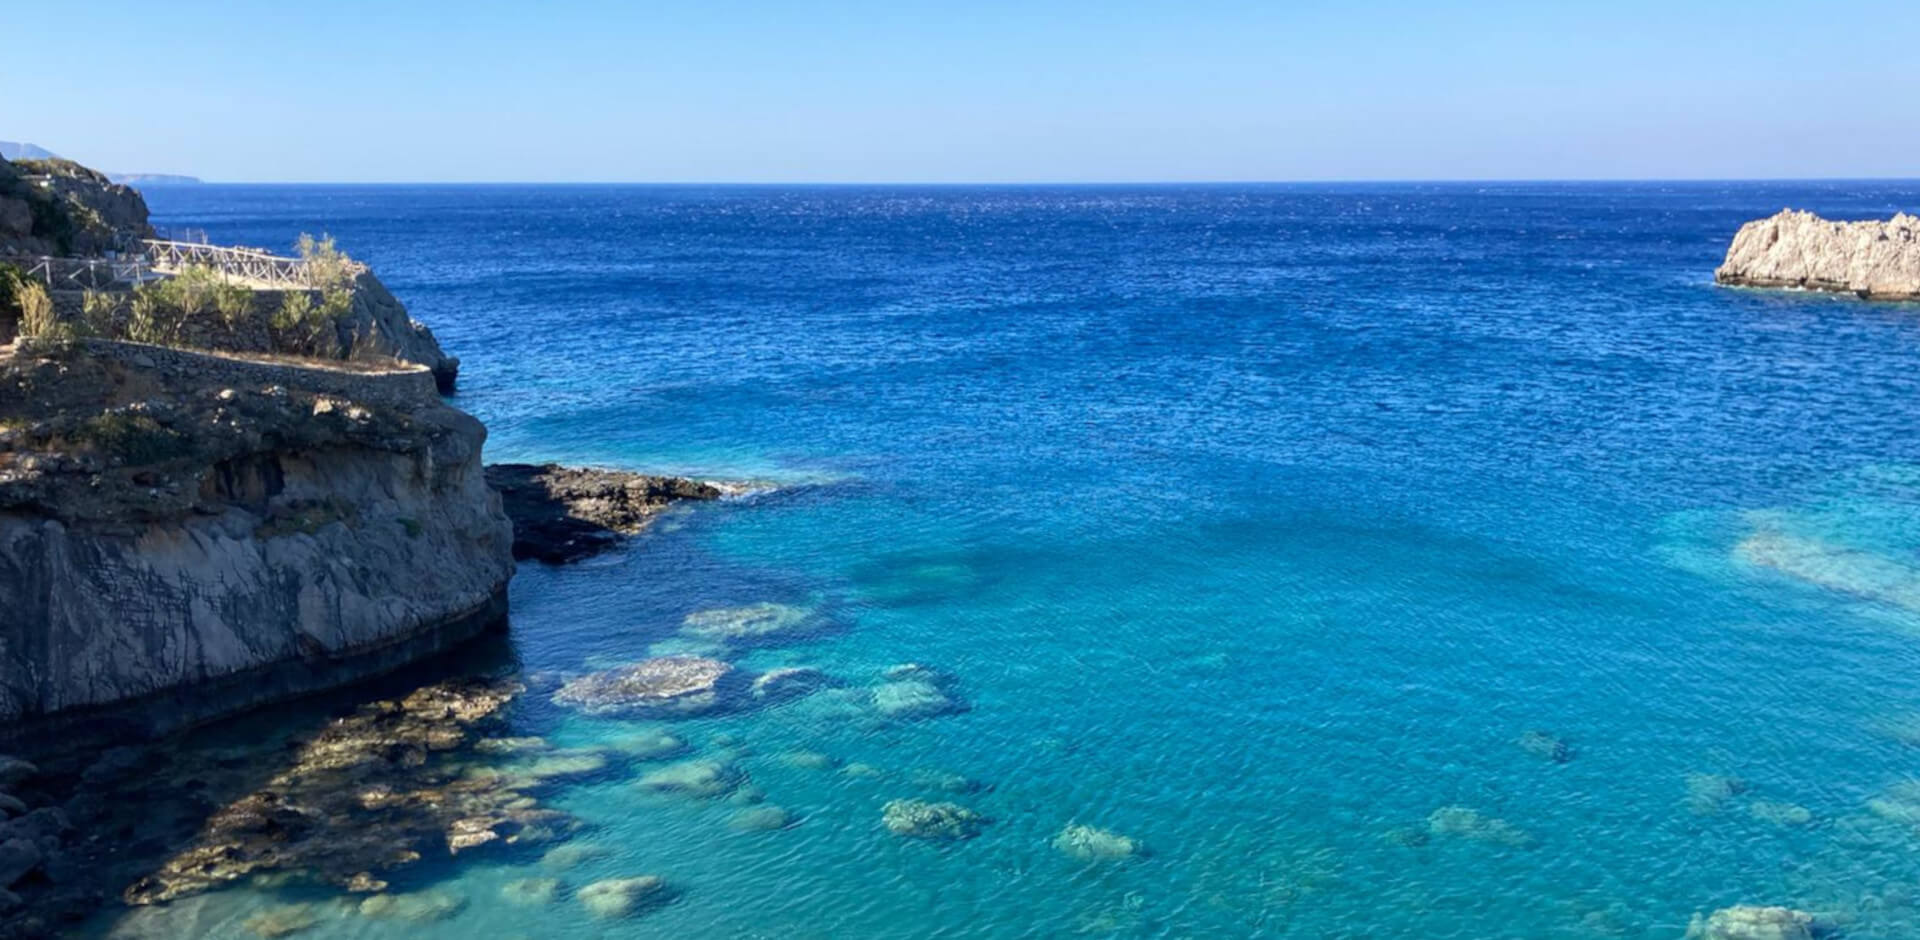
<point x="376" y="790"/>
<point x="665" y="685"/>
<point x="226" y="532"/>
<point x="1876" y="260"/>
<point x="563" y="514"/>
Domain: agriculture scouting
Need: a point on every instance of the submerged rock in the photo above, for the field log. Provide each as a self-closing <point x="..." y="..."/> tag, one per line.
<point x="668" y="685"/>
<point x="947" y="781"/>
<point x="809" y="760"/>
<point x="1707" y="793"/>
<point x="372" y="791"/>
<point x="761" y="819"/>
<point x="1899" y="804"/>
<point x="916" y="691"/>
<point x="1780" y="814"/>
<point x="1834" y="567"/>
<point x="1873" y="259"/>
<point x="622" y="897"/>
<point x="1469" y="823"/>
<point x="1407" y="836"/>
<point x="650" y="745"/>
<point x="550" y="767"/>
<point x="920" y="819"/>
<point x="1090" y="844"/>
<point x="752" y="624"/>
<point x="530" y="891"/>
<point x="562" y="514"/>
<point x="418" y="907"/>
<point x="1545" y="746"/>
<point x="282" y="920"/>
<point x="1753" y="923"/>
<point x="574" y="853"/>
<point x="779" y="685"/>
<point x="704" y="779"/>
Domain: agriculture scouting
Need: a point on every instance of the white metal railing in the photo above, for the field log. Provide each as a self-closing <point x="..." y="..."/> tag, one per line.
<point x="259" y="268"/>
<point x="87" y="273"/>
<point x="156" y="258"/>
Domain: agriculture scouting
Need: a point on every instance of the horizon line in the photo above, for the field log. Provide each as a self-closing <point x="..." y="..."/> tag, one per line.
<point x="1441" y="181"/>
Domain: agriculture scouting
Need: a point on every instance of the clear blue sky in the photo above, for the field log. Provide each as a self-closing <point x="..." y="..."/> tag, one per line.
<point x="986" y="90"/>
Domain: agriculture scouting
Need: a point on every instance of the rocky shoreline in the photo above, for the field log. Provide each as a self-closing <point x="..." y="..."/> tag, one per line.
<point x="1873" y="260"/>
<point x="196" y="527"/>
<point x="563" y="514"/>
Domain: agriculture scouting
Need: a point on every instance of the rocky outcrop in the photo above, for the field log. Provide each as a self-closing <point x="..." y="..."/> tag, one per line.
<point x="185" y="535"/>
<point x="378" y="328"/>
<point x="1875" y="260"/>
<point x="58" y="207"/>
<point x="563" y="514"/>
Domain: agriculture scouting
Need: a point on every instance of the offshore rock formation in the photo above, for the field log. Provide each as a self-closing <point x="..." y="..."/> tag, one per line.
<point x="1875" y="260"/>
<point x="185" y="535"/>
<point x="562" y="514"/>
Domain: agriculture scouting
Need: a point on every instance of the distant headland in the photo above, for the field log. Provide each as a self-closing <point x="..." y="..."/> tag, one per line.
<point x="15" y="150"/>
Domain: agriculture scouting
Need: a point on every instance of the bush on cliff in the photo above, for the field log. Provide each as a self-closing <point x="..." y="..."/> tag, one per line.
<point x="37" y="319"/>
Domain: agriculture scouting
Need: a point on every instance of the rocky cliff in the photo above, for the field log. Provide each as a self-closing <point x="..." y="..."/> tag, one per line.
<point x="1876" y="260"/>
<point x="61" y="209"/>
<point x="58" y="207"/>
<point x="185" y="534"/>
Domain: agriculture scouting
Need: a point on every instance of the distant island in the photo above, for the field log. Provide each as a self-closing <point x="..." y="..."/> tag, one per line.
<point x="152" y="179"/>
<point x="15" y="150"/>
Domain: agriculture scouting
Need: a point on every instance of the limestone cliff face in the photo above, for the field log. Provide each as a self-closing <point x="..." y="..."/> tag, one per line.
<point x="1876" y="260"/>
<point x="184" y="535"/>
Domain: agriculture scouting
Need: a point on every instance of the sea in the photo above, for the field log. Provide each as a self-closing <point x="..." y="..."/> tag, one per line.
<point x="1372" y="560"/>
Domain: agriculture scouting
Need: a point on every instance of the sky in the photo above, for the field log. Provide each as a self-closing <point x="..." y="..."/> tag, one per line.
<point x="975" y="91"/>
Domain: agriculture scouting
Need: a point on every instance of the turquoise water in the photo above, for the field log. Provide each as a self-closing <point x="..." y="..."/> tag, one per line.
<point x="1254" y="523"/>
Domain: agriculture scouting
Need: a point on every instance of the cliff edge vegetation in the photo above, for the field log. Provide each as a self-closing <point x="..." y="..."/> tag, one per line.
<point x="85" y="243"/>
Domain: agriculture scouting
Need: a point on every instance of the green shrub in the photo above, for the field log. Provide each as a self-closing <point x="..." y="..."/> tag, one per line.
<point x="328" y="268"/>
<point x="100" y="312"/>
<point x="148" y="318"/>
<point x="233" y="302"/>
<point x="11" y="278"/>
<point x="136" y="439"/>
<point x="309" y="329"/>
<point x="37" y="319"/>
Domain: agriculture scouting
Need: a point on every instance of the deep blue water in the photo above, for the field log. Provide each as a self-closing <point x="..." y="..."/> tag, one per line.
<point x="1254" y="522"/>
